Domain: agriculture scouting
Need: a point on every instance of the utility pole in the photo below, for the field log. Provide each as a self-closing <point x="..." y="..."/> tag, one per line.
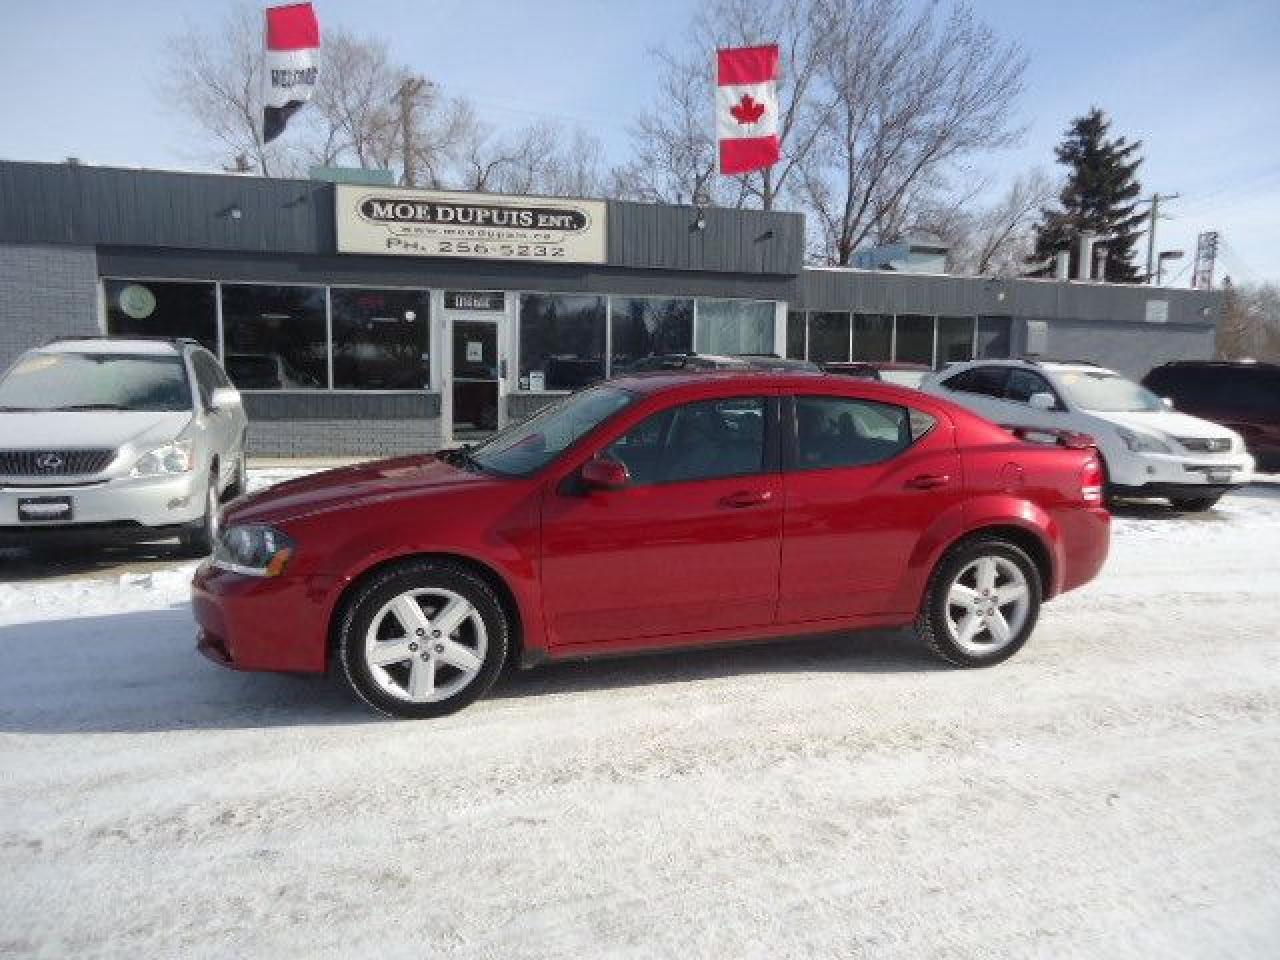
<point x="1154" y="200"/>
<point x="410" y="89"/>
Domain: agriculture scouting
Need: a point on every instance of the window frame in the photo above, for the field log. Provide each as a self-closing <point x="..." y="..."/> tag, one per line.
<point x="1004" y="380"/>
<point x="791" y="435"/>
<point x="771" y="463"/>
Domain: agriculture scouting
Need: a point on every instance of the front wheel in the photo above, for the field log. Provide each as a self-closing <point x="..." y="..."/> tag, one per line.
<point x="1194" y="504"/>
<point x="200" y="539"/>
<point x="423" y="639"/>
<point x="982" y="603"/>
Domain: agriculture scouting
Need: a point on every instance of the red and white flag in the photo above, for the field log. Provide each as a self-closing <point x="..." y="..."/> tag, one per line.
<point x="747" y="108"/>
<point x="289" y="65"/>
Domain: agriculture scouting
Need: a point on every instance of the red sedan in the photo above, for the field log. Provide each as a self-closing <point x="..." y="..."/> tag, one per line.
<point x="654" y="512"/>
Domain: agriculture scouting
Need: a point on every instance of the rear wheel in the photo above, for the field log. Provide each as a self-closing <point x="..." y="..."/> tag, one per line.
<point x="1194" y="504"/>
<point x="423" y="639"/>
<point x="982" y="603"/>
<point x="199" y="539"/>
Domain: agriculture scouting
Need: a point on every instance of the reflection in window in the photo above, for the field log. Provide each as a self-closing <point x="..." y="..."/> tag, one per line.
<point x="162" y="308"/>
<point x="735" y="327"/>
<point x="846" y="432"/>
<point x="872" y="337"/>
<point x="993" y="337"/>
<point x="561" y="341"/>
<point x="829" y="337"/>
<point x="795" y="335"/>
<point x="380" y="339"/>
<point x="648" y="326"/>
<point x="955" y="339"/>
<point x="914" y="342"/>
<point x="696" y="441"/>
<point x="274" y="337"/>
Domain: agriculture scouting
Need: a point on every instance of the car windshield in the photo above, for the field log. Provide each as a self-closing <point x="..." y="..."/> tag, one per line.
<point x="95" y="381"/>
<point x="526" y="447"/>
<point x="1107" y="393"/>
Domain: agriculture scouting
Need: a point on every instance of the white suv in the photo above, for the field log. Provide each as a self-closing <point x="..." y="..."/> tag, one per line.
<point x="1149" y="449"/>
<point x="118" y="440"/>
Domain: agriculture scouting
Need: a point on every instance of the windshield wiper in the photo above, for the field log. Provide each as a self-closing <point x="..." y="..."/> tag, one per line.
<point x="461" y="457"/>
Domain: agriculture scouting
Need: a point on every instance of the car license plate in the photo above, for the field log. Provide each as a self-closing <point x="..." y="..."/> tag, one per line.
<point x="44" y="509"/>
<point x="1219" y="476"/>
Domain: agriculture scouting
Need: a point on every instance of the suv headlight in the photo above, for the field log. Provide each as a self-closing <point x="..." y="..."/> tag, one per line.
<point x="253" y="549"/>
<point x="1142" y="442"/>
<point x="172" y="458"/>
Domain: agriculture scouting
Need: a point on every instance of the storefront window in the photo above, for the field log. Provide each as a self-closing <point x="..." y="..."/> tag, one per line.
<point x="274" y="337"/>
<point x="955" y="339"/>
<point x="381" y="339"/>
<point x="993" y="337"/>
<point x="829" y="337"/>
<point x="795" y="335"/>
<point x="162" y="308"/>
<point x="648" y="326"/>
<point x="561" y="341"/>
<point x="735" y="327"/>
<point x="914" y="342"/>
<point x="872" y="337"/>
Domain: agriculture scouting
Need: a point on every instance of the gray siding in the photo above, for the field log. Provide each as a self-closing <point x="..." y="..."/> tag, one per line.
<point x="45" y="292"/>
<point x="733" y="241"/>
<point x="1130" y="349"/>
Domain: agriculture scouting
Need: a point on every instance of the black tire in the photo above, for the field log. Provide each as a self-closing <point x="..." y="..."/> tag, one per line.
<point x="241" y="482"/>
<point x="198" y="540"/>
<point x="1194" y="504"/>
<point x="932" y="621"/>
<point x="371" y="596"/>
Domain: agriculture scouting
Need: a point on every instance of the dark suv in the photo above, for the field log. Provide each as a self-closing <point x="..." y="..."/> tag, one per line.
<point x="1239" y="394"/>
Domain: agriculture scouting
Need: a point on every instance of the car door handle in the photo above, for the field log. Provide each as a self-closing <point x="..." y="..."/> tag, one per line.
<point x="747" y="498"/>
<point x="928" y="481"/>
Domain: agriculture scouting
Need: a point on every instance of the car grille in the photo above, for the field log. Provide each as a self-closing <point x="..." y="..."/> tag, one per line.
<point x="1206" y="444"/>
<point x="53" y="463"/>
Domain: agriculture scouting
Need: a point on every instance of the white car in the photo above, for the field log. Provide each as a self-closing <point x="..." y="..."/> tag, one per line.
<point x="1148" y="449"/>
<point x="118" y="440"/>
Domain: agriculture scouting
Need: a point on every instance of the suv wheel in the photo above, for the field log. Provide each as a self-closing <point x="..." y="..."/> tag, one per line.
<point x="423" y="639"/>
<point x="199" y="539"/>
<point x="982" y="603"/>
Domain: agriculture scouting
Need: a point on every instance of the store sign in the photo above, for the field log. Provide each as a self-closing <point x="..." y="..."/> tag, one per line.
<point x="1157" y="311"/>
<point x="429" y="223"/>
<point x="474" y="300"/>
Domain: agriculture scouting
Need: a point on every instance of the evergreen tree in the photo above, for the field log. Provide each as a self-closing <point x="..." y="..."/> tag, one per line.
<point x="1100" y="195"/>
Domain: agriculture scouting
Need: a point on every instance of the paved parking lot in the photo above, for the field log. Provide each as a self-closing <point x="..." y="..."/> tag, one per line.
<point x="1109" y="792"/>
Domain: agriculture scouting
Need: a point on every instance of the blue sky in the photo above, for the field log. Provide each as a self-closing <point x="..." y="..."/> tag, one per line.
<point x="1198" y="83"/>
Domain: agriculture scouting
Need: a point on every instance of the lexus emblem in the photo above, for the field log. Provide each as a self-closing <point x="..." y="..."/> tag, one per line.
<point x="49" y="461"/>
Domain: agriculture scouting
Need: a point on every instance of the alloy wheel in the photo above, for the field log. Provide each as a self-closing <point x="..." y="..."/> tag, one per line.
<point x="425" y="645"/>
<point x="987" y="605"/>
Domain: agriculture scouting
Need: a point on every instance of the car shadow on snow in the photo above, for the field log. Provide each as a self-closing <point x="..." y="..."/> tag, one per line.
<point x="139" y="673"/>
<point x="19" y="565"/>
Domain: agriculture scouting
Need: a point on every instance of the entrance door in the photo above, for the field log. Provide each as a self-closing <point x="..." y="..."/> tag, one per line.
<point x="477" y="376"/>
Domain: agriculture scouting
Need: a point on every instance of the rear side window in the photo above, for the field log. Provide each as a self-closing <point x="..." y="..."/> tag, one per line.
<point x="987" y="381"/>
<point x="1186" y="386"/>
<point x="849" y="432"/>
<point x="1023" y="383"/>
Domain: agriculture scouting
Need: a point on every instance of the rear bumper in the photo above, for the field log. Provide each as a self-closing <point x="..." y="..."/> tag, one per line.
<point x="262" y="623"/>
<point x="1177" y="491"/>
<point x="1083" y="547"/>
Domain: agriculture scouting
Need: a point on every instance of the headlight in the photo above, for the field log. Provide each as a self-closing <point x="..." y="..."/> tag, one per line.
<point x="253" y="549"/>
<point x="171" y="458"/>
<point x="1143" y="442"/>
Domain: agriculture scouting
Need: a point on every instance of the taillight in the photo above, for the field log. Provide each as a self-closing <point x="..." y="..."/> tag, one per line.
<point x="1091" y="481"/>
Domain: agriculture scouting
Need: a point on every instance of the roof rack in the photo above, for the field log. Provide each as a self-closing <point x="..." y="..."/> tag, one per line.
<point x="1036" y="360"/>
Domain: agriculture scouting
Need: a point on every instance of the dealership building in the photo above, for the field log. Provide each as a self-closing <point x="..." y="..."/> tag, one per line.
<point x="367" y="319"/>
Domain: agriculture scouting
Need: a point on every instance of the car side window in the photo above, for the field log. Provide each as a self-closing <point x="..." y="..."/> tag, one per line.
<point x="987" y="381"/>
<point x="849" y="432"/>
<point x="1023" y="383"/>
<point x="695" y="441"/>
<point x="205" y="382"/>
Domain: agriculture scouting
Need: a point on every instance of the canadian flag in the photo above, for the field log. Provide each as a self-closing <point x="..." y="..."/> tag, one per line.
<point x="747" y="108"/>
<point x="289" y="65"/>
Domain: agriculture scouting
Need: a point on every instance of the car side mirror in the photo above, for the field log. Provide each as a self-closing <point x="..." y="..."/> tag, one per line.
<point x="1042" y="401"/>
<point x="223" y="398"/>
<point x="1168" y="402"/>
<point x="604" y="473"/>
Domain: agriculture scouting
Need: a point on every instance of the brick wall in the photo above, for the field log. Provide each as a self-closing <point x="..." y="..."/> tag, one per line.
<point x="45" y="292"/>
<point x="342" y="438"/>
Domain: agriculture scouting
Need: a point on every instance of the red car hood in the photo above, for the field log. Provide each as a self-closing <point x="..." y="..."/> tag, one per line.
<point x="348" y="486"/>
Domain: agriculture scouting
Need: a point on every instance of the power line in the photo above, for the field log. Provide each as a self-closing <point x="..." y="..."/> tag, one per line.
<point x="1152" y="217"/>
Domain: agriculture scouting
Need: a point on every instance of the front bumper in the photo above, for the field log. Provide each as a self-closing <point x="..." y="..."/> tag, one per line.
<point x="262" y="623"/>
<point x="1197" y="475"/>
<point x="119" y="509"/>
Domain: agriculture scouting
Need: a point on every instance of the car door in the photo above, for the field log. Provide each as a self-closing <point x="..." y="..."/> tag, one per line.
<point x="863" y="480"/>
<point x="689" y="545"/>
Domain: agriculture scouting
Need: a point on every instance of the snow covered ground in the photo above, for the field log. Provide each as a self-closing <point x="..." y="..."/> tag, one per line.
<point x="1112" y="791"/>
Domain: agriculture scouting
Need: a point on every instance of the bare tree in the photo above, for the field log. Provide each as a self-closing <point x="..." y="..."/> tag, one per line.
<point x="990" y="240"/>
<point x="1250" y="324"/>
<point x="914" y="95"/>
<point x="543" y="158"/>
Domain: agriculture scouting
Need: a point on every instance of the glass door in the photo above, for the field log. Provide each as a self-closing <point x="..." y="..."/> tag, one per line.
<point x="477" y="372"/>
